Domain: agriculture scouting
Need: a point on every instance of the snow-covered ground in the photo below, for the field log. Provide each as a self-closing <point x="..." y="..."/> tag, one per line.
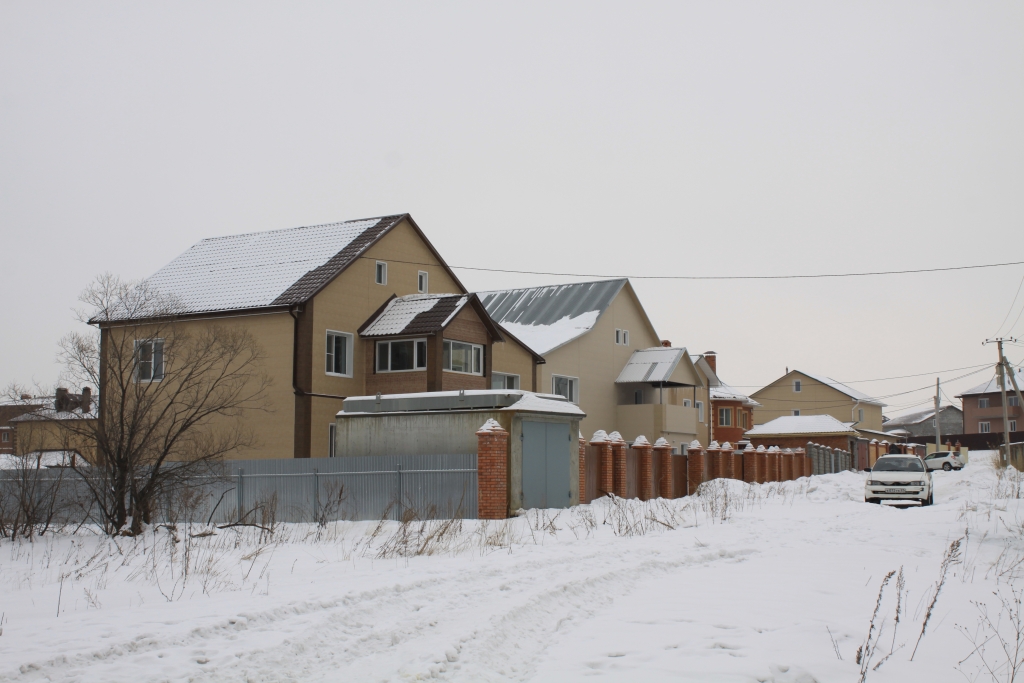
<point x="745" y="583"/>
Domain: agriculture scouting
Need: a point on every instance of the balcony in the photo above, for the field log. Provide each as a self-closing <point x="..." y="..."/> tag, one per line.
<point x="652" y="419"/>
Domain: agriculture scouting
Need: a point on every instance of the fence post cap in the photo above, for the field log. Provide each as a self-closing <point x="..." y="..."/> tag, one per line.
<point x="695" y="445"/>
<point x="615" y="436"/>
<point x="662" y="441"/>
<point x="600" y="436"/>
<point x="750" y="447"/>
<point x="726" y="446"/>
<point x="490" y="426"/>
<point x="713" y="445"/>
<point x="760" y="449"/>
<point x="641" y="441"/>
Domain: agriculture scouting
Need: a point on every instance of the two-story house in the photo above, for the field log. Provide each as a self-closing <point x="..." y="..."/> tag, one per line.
<point x="801" y="393"/>
<point x="318" y="299"/>
<point x="732" y="411"/>
<point x="983" y="407"/>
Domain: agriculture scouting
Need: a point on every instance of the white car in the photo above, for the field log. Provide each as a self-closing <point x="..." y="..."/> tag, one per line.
<point x="899" y="478"/>
<point x="945" y="460"/>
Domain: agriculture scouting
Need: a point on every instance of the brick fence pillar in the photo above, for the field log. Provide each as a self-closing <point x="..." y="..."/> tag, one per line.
<point x="604" y="462"/>
<point x="492" y="471"/>
<point x="761" y="462"/>
<point x="773" y="464"/>
<point x="800" y="466"/>
<point x="644" y="450"/>
<point x="749" y="464"/>
<point x="663" y="452"/>
<point x="583" y="470"/>
<point x="713" y="454"/>
<point x="618" y="464"/>
<point x="725" y="472"/>
<point x="695" y="457"/>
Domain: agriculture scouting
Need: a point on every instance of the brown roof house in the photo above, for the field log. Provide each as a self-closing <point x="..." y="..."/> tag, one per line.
<point x="795" y="431"/>
<point x="732" y="411"/>
<point x="983" y="407"/>
<point x="318" y="299"/>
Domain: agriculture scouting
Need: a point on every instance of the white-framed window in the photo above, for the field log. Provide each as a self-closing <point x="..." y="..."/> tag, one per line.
<point x="1013" y="425"/>
<point x="984" y="427"/>
<point x="625" y="337"/>
<point x="566" y="386"/>
<point x="725" y="417"/>
<point x="686" y="403"/>
<point x="622" y="337"/>
<point x="339" y="353"/>
<point x="860" y="414"/>
<point x="983" y="403"/>
<point x="796" y="413"/>
<point x="618" y="336"/>
<point x="330" y="439"/>
<point x="380" y="273"/>
<point x="743" y="419"/>
<point x="700" y="411"/>
<point x="1012" y="401"/>
<point x="797" y="386"/>
<point x="422" y="281"/>
<point x="149" y="360"/>
<point x="402" y="355"/>
<point x="463" y="357"/>
<point x="503" y="380"/>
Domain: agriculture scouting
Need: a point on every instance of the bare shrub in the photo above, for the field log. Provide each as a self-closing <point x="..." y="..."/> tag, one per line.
<point x="997" y="643"/>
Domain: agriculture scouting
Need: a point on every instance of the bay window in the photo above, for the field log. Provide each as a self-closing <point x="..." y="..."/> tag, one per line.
<point x="463" y="357"/>
<point x="402" y="355"/>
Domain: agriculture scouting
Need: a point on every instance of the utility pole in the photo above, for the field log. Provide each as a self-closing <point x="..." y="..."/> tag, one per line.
<point x="938" y="435"/>
<point x="1002" y="390"/>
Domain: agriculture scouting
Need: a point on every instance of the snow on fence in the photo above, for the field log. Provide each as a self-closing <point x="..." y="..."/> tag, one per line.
<point x="280" y="490"/>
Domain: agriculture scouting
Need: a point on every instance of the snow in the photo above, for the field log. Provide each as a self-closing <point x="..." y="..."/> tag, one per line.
<point x="724" y="392"/>
<point x="544" y="338"/>
<point x="402" y="310"/>
<point x="600" y="436"/>
<point x="641" y="441"/>
<point x="744" y="583"/>
<point x="490" y="426"/>
<point x="801" y="424"/>
<point x="545" y="403"/>
<point x="9" y="461"/>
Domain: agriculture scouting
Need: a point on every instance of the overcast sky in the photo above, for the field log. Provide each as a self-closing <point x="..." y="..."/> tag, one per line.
<point x="605" y="138"/>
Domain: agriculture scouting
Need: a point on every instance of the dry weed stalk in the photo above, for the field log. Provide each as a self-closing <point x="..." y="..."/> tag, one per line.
<point x="1008" y="659"/>
<point x="950" y="558"/>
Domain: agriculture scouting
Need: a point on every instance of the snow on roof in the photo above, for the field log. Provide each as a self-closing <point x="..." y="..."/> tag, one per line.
<point x="277" y="267"/>
<point x="916" y="417"/>
<point x="529" y="401"/>
<point x="801" y="424"/>
<point x="416" y="314"/>
<point x="545" y="318"/>
<point x="545" y="403"/>
<point x="839" y="386"/>
<point x="651" y="365"/>
<point x="992" y="386"/>
<point x="9" y="461"/>
<point x="724" y="392"/>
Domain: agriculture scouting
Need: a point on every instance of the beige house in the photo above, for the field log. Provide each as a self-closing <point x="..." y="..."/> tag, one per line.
<point x="589" y="333"/>
<point x="799" y="393"/>
<point x="305" y="294"/>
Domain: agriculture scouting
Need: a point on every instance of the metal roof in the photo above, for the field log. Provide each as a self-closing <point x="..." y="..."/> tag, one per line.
<point x="917" y="417"/>
<point x="992" y="386"/>
<point x="260" y="269"/>
<point x="545" y="318"/>
<point x="415" y="314"/>
<point x="838" y="386"/>
<point x="651" y="365"/>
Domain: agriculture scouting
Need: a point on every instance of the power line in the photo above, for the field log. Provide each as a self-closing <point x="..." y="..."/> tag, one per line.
<point x="880" y="379"/>
<point x="1012" y="304"/>
<point x="714" y="277"/>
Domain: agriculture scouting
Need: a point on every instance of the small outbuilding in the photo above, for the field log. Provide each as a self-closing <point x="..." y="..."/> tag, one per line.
<point x="541" y="464"/>
<point x="794" y="431"/>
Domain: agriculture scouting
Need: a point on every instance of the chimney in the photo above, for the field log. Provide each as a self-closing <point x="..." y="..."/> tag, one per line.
<point x="666" y="343"/>
<point x="711" y="358"/>
<point x="60" y="400"/>
<point x="26" y="397"/>
<point x="86" y="403"/>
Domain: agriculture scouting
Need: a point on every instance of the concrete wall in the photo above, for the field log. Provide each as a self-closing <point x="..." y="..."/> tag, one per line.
<point x="779" y="399"/>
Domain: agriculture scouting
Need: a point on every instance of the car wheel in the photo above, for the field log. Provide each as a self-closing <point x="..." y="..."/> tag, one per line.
<point x="946" y="467"/>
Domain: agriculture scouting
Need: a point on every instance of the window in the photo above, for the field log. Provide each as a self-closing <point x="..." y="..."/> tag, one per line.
<point x="686" y="403"/>
<point x="339" y="353"/>
<point x="797" y="386"/>
<point x="860" y="414"/>
<point x="700" y="411"/>
<point x="402" y="355"/>
<point x="618" y="336"/>
<point x="743" y="419"/>
<point x="501" y="380"/>
<point x="1013" y="401"/>
<point x="1013" y="425"/>
<point x="983" y="403"/>
<point x="638" y="397"/>
<point x="463" y="357"/>
<point x="381" y="273"/>
<point x="625" y="337"/>
<point x="6" y="436"/>
<point x="796" y="413"/>
<point x="566" y="386"/>
<point x="149" y="360"/>
<point x="984" y="427"/>
<point x="725" y="417"/>
<point x="421" y="282"/>
<point x="330" y="440"/>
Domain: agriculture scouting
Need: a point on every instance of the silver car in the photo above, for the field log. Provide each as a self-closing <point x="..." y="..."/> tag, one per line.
<point x="944" y="460"/>
<point x="899" y="478"/>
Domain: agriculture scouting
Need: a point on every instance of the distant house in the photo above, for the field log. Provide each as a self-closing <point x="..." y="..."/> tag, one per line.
<point x="983" y="407"/>
<point x="40" y="428"/>
<point x="795" y="431"/>
<point x="732" y="411"/>
<point x="8" y="411"/>
<point x="588" y="333"/>
<point x="921" y="423"/>
<point x="799" y="394"/>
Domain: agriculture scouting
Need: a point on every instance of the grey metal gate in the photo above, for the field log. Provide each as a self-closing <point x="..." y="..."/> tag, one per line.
<point x="546" y="465"/>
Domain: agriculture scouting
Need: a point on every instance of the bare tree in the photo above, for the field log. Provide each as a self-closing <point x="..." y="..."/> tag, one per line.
<point x="172" y="394"/>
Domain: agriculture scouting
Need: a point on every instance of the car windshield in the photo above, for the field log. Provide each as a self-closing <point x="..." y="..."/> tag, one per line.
<point x="898" y="465"/>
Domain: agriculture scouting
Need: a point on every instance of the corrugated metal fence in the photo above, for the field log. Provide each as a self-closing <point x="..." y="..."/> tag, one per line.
<point x="292" y="490"/>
